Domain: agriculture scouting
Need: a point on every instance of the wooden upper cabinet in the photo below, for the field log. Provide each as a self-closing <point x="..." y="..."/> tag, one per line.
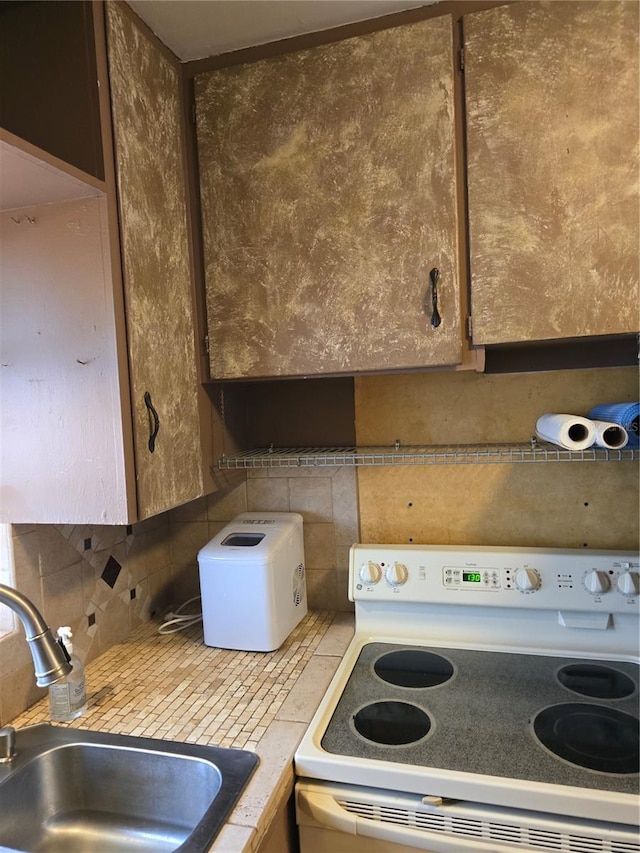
<point x="145" y="91"/>
<point x="552" y="124"/>
<point x="328" y="191"/>
<point x="79" y="265"/>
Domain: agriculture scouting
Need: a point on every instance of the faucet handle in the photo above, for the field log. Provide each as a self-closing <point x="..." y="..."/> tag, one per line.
<point x="7" y="744"/>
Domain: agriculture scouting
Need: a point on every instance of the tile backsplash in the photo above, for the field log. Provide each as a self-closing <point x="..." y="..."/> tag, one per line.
<point x="104" y="581"/>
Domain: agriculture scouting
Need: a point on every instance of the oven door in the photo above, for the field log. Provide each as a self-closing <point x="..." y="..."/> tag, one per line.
<point x="334" y="818"/>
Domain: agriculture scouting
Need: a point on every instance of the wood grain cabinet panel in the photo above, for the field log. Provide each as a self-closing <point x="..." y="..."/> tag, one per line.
<point x="156" y="265"/>
<point x="328" y="193"/>
<point x="552" y="113"/>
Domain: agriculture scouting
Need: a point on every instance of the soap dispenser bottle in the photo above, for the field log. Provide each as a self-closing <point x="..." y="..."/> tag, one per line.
<point x="68" y="697"/>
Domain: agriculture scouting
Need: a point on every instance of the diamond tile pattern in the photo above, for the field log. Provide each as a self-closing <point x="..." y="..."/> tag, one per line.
<point x="111" y="571"/>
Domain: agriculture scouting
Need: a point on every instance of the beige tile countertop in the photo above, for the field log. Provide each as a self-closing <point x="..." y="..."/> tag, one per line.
<point x="173" y="686"/>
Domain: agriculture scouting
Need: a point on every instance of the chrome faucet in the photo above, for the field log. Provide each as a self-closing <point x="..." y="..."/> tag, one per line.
<point x="49" y="659"/>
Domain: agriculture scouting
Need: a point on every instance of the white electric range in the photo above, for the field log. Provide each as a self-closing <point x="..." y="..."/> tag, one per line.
<point x="489" y="701"/>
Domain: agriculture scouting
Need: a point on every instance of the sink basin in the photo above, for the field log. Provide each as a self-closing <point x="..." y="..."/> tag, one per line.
<point x="83" y="791"/>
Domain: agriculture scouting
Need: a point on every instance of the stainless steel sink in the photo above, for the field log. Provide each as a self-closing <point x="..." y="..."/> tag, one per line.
<point x="83" y="792"/>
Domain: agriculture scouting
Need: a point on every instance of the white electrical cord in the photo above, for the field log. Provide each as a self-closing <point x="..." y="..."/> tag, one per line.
<point x="179" y="621"/>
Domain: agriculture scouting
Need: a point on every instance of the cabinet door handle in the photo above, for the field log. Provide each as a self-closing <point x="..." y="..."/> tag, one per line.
<point x="154" y="421"/>
<point x="434" y="275"/>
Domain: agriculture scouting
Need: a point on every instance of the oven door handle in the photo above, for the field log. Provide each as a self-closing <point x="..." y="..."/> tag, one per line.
<point x="324" y="811"/>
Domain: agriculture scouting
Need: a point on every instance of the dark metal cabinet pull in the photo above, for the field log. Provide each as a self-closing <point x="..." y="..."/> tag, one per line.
<point x="154" y="421"/>
<point x="434" y="275"/>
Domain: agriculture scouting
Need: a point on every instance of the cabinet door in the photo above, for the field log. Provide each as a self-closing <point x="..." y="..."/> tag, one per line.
<point x="328" y="195"/>
<point x="552" y="112"/>
<point x="155" y="255"/>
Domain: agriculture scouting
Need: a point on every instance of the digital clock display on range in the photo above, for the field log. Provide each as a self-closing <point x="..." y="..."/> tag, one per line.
<point x="471" y="577"/>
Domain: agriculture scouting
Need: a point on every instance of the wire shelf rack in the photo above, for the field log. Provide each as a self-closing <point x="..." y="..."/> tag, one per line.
<point x="461" y="454"/>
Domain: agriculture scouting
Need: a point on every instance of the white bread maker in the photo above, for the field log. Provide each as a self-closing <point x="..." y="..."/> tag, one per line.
<point x="252" y="581"/>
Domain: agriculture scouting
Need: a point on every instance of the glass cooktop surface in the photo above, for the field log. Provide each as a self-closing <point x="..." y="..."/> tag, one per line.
<point x="531" y="717"/>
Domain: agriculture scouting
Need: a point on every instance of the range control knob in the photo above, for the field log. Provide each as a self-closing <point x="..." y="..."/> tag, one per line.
<point x="396" y="574"/>
<point x="370" y="572"/>
<point x="627" y="583"/>
<point x="596" y="582"/>
<point x="527" y="580"/>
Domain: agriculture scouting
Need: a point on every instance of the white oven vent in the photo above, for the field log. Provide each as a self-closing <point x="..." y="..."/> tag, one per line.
<point x="529" y="832"/>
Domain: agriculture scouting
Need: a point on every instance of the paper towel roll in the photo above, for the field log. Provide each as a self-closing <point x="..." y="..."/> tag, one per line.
<point x="627" y="415"/>
<point x="610" y="435"/>
<point x="569" y="431"/>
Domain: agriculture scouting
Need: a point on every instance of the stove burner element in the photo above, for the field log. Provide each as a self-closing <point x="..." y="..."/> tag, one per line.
<point x="598" y="682"/>
<point x="592" y="736"/>
<point x="413" y="668"/>
<point x="392" y="723"/>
